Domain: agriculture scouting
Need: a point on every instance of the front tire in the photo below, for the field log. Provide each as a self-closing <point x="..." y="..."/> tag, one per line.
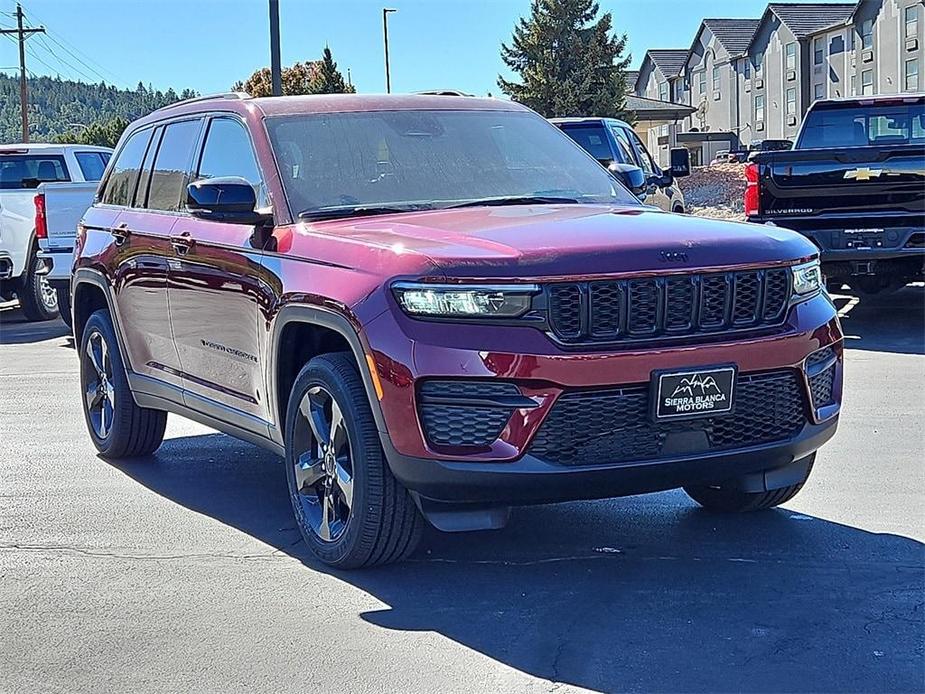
<point x="349" y="508"/>
<point x="37" y="298"/>
<point x="118" y="427"/>
<point x="727" y="499"/>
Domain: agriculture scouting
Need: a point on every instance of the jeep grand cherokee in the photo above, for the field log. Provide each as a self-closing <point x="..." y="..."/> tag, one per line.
<point x="437" y="307"/>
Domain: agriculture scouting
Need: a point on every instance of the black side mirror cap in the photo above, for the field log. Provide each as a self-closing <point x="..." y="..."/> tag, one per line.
<point x="228" y="199"/>
<point x="631" y="176"/>
<point x="680" y="162"/>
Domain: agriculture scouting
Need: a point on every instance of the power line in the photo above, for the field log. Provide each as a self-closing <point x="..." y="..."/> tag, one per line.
<point x="22" y="33"/>
<point x="75" y="52"/>
<point x="61" y="61"/>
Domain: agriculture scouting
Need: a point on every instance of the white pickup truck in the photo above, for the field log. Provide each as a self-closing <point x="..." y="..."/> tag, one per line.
<point x="44" y="191"/>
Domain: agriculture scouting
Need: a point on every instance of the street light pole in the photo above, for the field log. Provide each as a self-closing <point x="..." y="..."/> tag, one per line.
<point x="275" y="67"/>
<point x="385" y="37"/>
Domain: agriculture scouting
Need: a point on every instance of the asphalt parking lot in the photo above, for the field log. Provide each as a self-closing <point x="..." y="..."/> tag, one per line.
<point x="184" y="572"/>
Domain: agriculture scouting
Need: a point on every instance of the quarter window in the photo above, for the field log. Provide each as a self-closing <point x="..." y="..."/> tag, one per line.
<point x="171" y="166"/>
<point x="912" y="75"/>
<point x="121" y="184"/>
<point x="228" y="152"/>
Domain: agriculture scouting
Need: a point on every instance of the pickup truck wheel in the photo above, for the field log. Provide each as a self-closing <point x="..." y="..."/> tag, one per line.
<point x="118" y="427"/>
<point x="64" y="307"/>
<point x="349" y="508"/>
<point x="730" y="500"/>
<point x="38" y="299"/>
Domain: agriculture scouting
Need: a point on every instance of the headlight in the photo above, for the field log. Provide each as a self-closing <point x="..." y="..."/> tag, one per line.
<point x="464" y="301"/>
<point x="807" y="279"/>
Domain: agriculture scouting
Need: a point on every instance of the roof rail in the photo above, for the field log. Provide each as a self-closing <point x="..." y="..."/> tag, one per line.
<point x="206" y="97"/>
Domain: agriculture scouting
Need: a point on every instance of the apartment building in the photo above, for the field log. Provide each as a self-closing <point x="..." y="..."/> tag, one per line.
<point x="753" y="79"/>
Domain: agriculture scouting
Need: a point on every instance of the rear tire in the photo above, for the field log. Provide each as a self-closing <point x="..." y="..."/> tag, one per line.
<point x="37" y="298"/>
<point x="118" y="427"/>
<point x="64" y="306"/>
<point x="349" y="508"/>
<point x="731" y="500"/>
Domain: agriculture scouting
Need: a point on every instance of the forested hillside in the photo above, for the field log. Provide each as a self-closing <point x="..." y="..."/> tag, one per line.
<point x="57" y="106"/>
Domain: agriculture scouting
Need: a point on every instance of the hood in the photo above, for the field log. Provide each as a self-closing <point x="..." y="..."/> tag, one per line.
<point x="527" y="241"/>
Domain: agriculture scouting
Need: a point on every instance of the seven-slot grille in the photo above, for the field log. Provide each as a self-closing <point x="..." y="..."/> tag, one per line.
<point x="675" y="305"/>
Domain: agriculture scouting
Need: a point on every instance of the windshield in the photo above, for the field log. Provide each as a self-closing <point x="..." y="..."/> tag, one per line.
<point x="431" y="159"/>
<point x="19" y="171"/>
<point x="853" y="125"/>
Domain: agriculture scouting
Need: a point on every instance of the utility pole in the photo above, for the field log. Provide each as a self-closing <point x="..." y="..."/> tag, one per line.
<point x="275" y="68"/>
<point x="385" y="37"/>
<point x="22" y="34"/>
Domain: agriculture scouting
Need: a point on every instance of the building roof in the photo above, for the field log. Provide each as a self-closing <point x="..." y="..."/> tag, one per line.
<point x="807" y="18"/>
<point x="631" y="77"/>
<point x="733" y="34"/>
<point x="668" y="60"/>
<point x="652" y="109"/>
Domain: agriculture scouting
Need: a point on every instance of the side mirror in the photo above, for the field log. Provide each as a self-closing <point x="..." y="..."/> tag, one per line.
<point x="228" y="199"/>
<point x="680" y="162"/>
<point x="630" y="176"/>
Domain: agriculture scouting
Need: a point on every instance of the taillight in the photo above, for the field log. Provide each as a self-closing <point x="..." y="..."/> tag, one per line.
<point x="41" y="223"/>
<point x="752" y="197"/>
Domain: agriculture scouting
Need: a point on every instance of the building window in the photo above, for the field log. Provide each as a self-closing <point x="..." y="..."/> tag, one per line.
<point x="702" y="79"/>
<point x="854" y="85"/>
<point x="819" y="91"/>
<point x="791" y="101"/>
<point x="791" y="56"/>
<point x="747" y="68"/>
<point x="759" y="62"/>
<point x="759" y="108"/>
<point x="867" y="82"/>
<point x="818" y="51"/>
<point x="912" y="75"/>
<point x="715" y="78"/>
<point x="663" y="91"/>
<point x="867" y="33"/>
<point x="912" y="22"/>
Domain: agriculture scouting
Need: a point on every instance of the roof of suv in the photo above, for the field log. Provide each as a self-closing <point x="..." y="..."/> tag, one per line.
<point x="587" y="119"/>
<point x="333" y="103"/>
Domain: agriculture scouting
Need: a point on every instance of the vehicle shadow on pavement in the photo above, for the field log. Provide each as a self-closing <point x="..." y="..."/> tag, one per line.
<point x="645" y="593"/>
<point x="884" y="322"/>
<point x="16" y="330"/>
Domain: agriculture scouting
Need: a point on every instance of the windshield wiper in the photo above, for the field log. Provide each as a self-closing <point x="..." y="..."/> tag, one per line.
<point x="518" y="200"/>
<point x="352" y="211"/>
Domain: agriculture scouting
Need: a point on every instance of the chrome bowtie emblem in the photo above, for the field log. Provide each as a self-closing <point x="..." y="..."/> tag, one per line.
<point x="862" y="173"/>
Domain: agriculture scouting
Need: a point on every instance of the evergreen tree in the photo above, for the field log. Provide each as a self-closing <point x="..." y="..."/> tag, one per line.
<point x="329" y="80"/>
<point x="570" y="62"/>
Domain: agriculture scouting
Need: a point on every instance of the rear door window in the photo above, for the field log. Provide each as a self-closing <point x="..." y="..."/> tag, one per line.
<point x="19" y="171"/>
<point x="228" y="152"/>
<point x="120" y="187"/>
<point x="92" y="164"/>
<point x="172" y="164"/>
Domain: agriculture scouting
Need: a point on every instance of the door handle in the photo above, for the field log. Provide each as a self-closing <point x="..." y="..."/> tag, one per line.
<point x="182" y="243"/>
<point x="120" y="234"/>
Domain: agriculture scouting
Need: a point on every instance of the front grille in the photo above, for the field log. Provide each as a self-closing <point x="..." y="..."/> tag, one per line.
<point x="677" y="305"/>
<point x="821" y="383"/>
<point x="614" y="425"/>
<point x="465" y="413"/>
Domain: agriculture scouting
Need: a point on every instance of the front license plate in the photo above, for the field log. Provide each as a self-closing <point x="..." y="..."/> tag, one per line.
<point x="693" y="393"/>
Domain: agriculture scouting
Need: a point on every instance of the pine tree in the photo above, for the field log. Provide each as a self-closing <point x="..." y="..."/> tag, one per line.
<point x="570" y="63"/>
<point x="330" y="81"/>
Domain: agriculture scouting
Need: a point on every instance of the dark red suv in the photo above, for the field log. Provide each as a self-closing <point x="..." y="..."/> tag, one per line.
<point x="438" y="307"/>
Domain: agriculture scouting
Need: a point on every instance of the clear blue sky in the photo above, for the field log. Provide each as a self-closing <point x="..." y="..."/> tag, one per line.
<point x="208" y="44"/>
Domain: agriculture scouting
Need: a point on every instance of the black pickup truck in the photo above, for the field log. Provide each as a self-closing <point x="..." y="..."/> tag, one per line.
<point x="854" y="183"/>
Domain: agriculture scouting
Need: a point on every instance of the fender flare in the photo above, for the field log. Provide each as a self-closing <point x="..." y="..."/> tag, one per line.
<point x="331" y="320"/>
<point x="86" y="275"/>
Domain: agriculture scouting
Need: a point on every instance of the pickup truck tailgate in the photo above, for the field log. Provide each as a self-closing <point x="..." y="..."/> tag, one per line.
<point x="65" y="204"/>
<point x="850" y="181"/>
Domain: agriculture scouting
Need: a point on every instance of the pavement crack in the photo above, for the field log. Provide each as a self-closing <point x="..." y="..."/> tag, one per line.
<point x="138" y="556"/>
